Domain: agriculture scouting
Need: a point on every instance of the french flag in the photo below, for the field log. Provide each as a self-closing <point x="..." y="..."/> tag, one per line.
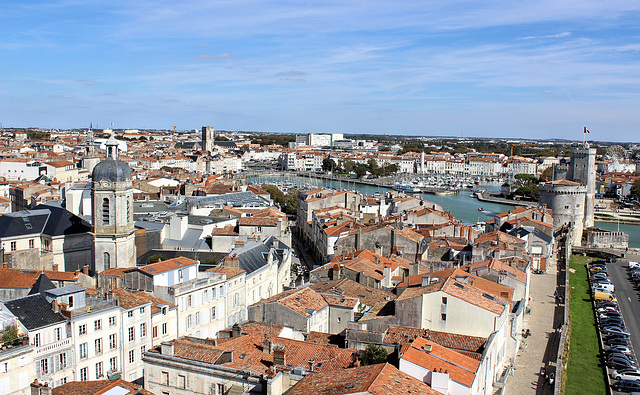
<point x="586" y="130"/>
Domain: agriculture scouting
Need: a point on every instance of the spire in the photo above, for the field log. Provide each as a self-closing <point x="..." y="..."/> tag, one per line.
<point x="112" y="147"/>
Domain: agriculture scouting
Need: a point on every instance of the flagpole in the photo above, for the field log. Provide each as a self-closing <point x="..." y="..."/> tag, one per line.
<point x="584" y="136"/>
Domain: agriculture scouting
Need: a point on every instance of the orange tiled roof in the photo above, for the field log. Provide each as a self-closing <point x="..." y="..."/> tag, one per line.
<point x="96" y="387"/>
<point x="350" y="288"/>
<point x="128" y="300"/>
<point x="381" y="379"/>
<point x="461" y="369"/>
<point x="163" y="266"/>
<point x="299" y="300"/>
<point x="229" y="271"/>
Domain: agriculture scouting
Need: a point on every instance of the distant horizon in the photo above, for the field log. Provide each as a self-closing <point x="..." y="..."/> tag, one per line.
<point x="542" y="69"/>
<point x="195" y="130"/>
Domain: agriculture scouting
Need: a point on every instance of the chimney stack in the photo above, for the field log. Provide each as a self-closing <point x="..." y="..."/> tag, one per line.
<point x="267" y="346"/>
<point x="279" y="357"/>
<point x="236" y="330"/>
<point x="311" y="362"/>
<point x="167" y="348"/>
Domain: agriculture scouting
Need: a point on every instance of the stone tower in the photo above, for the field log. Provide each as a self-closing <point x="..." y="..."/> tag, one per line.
<point x="89" y="157"/>
<point x="112" y="191"/>
<point x="567" y="200"/>
<point x="208" y="137"/>
<point x="583" y="171"/>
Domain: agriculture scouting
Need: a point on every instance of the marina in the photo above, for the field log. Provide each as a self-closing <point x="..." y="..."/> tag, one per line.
<point x="463" y="206"/>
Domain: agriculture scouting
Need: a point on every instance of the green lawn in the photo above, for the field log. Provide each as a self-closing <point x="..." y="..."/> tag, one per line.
<point x="584" y="373"/>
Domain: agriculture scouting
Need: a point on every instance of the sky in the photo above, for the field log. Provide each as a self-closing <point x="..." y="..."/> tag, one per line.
<point x="537" y="69"/>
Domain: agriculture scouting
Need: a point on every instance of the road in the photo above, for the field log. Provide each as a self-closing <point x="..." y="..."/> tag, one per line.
<point x="627" y="300"/>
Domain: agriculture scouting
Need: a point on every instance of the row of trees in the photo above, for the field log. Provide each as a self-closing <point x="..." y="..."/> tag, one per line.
<point x="288" y="202"/>
<point x="360" y="169"/>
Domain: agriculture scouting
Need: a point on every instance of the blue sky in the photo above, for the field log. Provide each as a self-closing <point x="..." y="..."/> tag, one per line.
<point x="460" y="68"/>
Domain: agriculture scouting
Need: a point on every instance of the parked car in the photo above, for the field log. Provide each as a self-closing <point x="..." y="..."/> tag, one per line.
<point x="617" y="342"/>
<point x="615" y="372"/>
<point x="617" y="363"/>
<point x="612" y="322"/>
<point x="618" y="354"/>
<point x="611" y="260"/>
<point x="604" y="287"/>
<point x="632" y="265"/>
<point x="614" y="329"/>
<point x="623" y="349"/>
<point x="626" y="386"/>
<point x="627" y="376"/>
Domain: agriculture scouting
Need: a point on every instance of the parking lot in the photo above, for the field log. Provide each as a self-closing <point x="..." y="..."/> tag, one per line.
<point x="617" y="321"/>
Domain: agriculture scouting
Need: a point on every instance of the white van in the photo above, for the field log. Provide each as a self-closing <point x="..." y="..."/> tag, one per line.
<point x="604" y="288"/>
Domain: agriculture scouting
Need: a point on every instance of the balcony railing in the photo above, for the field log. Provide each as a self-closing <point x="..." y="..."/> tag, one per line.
<point x="53" y="346"/>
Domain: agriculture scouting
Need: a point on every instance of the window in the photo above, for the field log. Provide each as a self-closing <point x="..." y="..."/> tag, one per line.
<point x="128" y="210"/>
<point x="13" y="246"/>
<point x="99" y="370"/>
<point x="180" y="275"/>
<point x="165" y="378"/>
<point x="164" y="328"/>
<point x="142" y="350"/>
<point x="70" y="301"/>
<point x="47" y="245"/>
<point x="97" y="324"/>
<point x="189" y="300"/>
<point x="36" y="340"/>
<point x="236" y="299"/>
<point x="205" y="295"/>
<point x="44" y="366"/>
<point x="106" y="260"/>
<point x="132" y="356"/>
<point x="58" y="334"/>
<point x="182" y="382"/>
<point x="220" y="389"/>
<point x="132" y="335"/>
<point x="112" y="321"/>
<point x="143" y="329"/>
<point x="112" y="341"/>
<point x="83" y="350"/>
<point x="98" y="346"/>
<point x="141" y="310"/>
<point x="444" y="300"/>
<point x="130" y="314"/>
<point x="198" y="318"/>
<point x="31" y="243"/>
<point x="105" y="211"/>
<point x="189" y="321"/>
<point x="154" y="332"/>
<point x="62" y="359"/>
<point x="213" y="313"/>
<point x="113" y="364"/>
<point x="443" y="317"/>
<point x="84" y="374"/>
<point x="213" y="293"/>
<point x="82" y="329"/>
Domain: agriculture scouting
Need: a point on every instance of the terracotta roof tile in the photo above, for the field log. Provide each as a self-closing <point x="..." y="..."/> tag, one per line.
<point x="381" y="379"/>
<point x="229" y="271"/>
<point x="461" y="368"/>
<point x="163" y="266"/>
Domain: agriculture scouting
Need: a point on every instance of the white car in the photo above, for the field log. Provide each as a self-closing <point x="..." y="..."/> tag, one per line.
<point x="633" y="265"/>
<point x="627" y="376"/>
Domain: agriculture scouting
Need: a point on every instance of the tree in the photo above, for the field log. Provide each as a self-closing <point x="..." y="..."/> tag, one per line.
<point x="373" y="355"/>
<point x="547" y="174"/>
<point x="156" y="258"/>
<point x="635" y="189"/>
<point x="221" y="138"/>
<point x="328" y="164"/>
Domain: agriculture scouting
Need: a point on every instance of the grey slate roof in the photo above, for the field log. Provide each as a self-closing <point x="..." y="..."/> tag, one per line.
<point x="254" y="254"/>
<point x="42" y="284"/>
<point x="66" y="290"/>
<point x="33" y="311"/>
<point x="49" y="219"/>
<point x="235" y="199"/>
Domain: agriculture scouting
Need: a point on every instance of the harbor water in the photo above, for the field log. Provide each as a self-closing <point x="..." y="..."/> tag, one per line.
<point x="462" y="206"/>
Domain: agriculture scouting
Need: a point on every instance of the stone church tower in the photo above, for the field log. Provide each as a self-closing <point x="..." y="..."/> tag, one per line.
<point x="112" y="191"/>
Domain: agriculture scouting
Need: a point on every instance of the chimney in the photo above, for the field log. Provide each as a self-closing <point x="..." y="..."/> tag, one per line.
<point x="427" y="347"/>
<point x="267" y="346"/>
<point x="236" y="330"/>
<point x="55" y="268"/>
<point x="85" y="270"/>
<point x="311" y="362"/>
<point x="167" y="348"/>
<point x="279" y="357"/>
<point x="232" y="261"/>
<point x="55" y="306"/>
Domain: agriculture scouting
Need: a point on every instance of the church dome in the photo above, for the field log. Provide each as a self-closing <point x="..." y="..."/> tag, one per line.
<point x="113" y="170"/>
